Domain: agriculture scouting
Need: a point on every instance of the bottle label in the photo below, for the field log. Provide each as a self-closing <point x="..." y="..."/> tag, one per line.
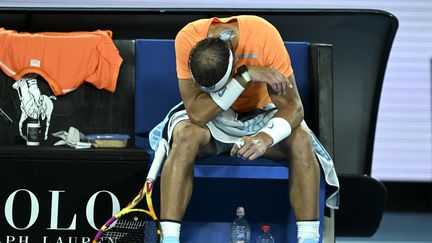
<point x="33" y="132"/>
<point x="241" y="234"/>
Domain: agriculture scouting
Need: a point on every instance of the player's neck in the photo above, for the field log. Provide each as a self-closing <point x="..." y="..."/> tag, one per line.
<point x="216" y="28"/>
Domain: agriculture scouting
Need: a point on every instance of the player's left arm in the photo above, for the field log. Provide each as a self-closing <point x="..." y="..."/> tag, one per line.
<point x="289" y="106"/>
<point x="290" y="109"/>
<point x="288" y="117"/>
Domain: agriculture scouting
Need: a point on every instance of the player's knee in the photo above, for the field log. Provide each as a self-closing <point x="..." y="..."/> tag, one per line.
<point x="300" y="139"/>
<point x="187" y="134"/>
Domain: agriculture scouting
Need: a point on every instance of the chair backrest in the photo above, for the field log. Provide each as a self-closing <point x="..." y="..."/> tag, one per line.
<point x="156" y="87"/>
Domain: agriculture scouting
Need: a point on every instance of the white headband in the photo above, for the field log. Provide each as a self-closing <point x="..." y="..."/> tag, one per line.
<point x="221" y="83"/>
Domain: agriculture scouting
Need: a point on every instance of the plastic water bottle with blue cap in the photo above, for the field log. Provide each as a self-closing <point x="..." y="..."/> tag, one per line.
<point x="240" y="228"/>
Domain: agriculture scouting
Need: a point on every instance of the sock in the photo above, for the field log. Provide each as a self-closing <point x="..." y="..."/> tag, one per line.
<point x="170" y="230"/>
<point x="308" y="231"/>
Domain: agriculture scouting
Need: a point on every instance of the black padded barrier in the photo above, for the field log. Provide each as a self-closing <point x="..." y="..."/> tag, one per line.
<point x="53" y="194"/>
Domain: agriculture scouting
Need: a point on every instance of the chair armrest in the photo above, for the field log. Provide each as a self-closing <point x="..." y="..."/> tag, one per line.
<point x="321" y="76"/>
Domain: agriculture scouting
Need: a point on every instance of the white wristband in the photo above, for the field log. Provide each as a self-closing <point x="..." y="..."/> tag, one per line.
<point x="278" y="129"/>
<point x="225" y="97"/>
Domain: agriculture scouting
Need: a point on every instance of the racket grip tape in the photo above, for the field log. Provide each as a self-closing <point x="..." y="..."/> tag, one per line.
<point x="158" y="159"/>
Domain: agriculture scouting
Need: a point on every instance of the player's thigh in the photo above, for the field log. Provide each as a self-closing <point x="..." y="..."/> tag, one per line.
<point x="209" y="149"/>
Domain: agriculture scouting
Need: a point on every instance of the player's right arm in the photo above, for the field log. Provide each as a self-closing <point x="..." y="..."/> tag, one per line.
<point x="199" y="105"/>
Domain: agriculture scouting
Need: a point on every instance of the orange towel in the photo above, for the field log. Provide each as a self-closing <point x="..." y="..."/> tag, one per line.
<point x="65" y="60"/>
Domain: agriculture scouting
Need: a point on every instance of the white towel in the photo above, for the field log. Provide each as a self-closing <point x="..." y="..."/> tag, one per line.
<point x="228" y="128"/>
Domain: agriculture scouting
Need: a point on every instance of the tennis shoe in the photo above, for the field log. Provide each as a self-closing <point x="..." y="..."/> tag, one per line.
<point x="170" y="240"/>
<point x="310" y="240"/>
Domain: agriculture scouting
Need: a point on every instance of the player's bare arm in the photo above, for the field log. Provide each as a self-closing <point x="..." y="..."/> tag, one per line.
<point x="277" y="81"/>
<point x="200" y="107"/>
<point x="290" y="109"/>
<point x="289" y="105"/>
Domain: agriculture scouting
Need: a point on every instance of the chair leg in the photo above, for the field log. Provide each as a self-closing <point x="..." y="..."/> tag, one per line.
<point x="329" y="229"/>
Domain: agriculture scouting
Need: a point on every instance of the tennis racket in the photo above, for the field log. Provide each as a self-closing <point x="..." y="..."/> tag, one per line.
<point x="136" y="224"/>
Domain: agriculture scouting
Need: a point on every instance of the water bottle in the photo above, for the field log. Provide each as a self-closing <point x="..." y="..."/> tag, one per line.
<point x="265" y="236"/>
<point x="240" y="229"/>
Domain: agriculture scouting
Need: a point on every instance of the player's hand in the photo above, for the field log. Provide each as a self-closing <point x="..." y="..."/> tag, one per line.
<point x="250" y="148"/>
<point x="277" y="81"/>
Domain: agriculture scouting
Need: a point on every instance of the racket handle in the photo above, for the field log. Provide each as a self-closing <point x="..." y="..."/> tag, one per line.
<point x="160" y="153"/>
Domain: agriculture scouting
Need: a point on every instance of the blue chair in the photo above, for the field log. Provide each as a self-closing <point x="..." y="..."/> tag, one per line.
<point x="223" y="182"/>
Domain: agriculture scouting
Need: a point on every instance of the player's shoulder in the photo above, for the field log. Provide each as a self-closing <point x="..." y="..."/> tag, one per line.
<point x="192" y="30"/>
<point x="252" y="23"/>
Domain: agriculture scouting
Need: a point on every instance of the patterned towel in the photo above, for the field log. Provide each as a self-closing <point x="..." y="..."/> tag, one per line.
<point x="229" y="127"/>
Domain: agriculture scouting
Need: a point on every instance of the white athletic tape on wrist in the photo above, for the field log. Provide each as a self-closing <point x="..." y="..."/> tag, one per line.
<point x="239" y="143"/>
<point x="225" y="97"/>
<point x="278" y="129"/>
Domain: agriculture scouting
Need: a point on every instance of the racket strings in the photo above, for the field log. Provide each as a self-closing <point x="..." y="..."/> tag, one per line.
<point x="131" y="231"/>
<point x="130" y="224"/>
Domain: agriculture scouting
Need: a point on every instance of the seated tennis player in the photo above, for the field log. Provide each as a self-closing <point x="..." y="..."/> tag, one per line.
<point x="229" y="68"/>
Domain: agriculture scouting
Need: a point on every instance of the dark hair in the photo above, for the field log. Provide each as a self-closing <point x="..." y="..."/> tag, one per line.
<point x="208" y="61"/>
